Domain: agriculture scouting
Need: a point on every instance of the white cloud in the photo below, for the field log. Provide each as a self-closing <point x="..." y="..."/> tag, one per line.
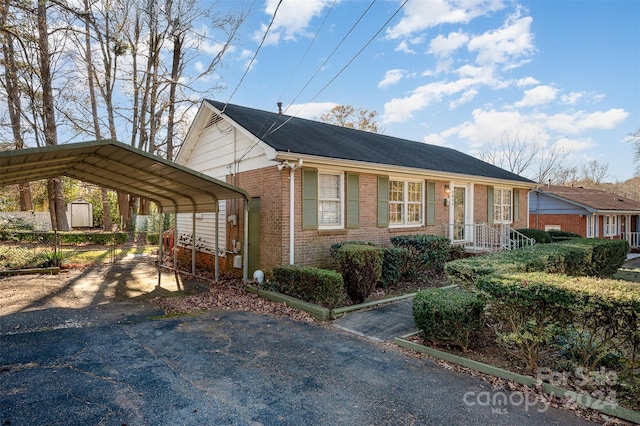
<point x="311" y="110"/>
<point x="403" y="47"/>
<point x="391" y="77"/>
<point x="581" y="121"/>
<point x="421" y="15"/>
<point x="572" y="98"/>
<point x="527" y="81"/>
<point x="500" y="46"/>
<point x="400" y="110"/>
<point x="489" y="126"/>
<point x="563" y="144"/>
<point x="537" y="96"/>
<point x="435" y="139"/>
<point x="466" y="97"/>
<point x="292" y="19"/>
<point x="444" y="46"/>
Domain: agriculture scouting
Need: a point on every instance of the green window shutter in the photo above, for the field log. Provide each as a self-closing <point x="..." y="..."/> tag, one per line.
<point x="309" y="199"/>
<point x="516" y="205"/>
<point x="353" y="200"/>
<point x="383" y="201"/>
<point x="490" y="215"/>
<point x="431" y="203"/>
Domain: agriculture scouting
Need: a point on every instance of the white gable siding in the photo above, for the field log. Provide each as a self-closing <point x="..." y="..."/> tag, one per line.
<point x="214" y="153"/>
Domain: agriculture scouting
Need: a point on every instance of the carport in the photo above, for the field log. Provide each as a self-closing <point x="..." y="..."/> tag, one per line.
<point x="120" y="167"/>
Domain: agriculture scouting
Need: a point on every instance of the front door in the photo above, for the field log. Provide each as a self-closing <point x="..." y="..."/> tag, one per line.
<point x="459" y="210"/>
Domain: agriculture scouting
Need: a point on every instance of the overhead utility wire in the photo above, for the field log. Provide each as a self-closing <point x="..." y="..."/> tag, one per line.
<point x="264" y="37"/>
<point x="308" y="48"/>
<point x="253" y="145"/>
<point x="348" y="63"/>
<point x="332" y="52"/>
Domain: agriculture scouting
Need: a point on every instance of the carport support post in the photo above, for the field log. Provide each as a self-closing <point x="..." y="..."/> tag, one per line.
<point x="217" y="267"/>
<point x="160" y="243"/>
<point x="193" y="242"/>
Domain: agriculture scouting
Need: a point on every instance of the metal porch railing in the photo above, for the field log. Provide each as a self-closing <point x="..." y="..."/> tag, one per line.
<point x="486" y="237"/>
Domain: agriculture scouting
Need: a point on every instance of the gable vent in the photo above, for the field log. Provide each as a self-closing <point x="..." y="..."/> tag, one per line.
<point x="213" y="119"/>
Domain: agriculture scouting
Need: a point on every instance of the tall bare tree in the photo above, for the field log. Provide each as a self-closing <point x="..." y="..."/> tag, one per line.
<point x="57" y="206"/>
<point x="11" y="85"/>
<point x="354" y="118"/>
<point x="595" y="171"/>
<point x="635" y="139"/>
<point x="106" y="211"/>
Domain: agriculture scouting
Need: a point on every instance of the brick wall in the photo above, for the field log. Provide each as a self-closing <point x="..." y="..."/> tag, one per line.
<point x="568" y="222"/>
<point x="312" y="246"/>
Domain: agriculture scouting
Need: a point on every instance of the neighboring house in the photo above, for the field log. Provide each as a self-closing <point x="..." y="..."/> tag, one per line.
<point x="589" y="212"/>
<point x="314" y="184"/>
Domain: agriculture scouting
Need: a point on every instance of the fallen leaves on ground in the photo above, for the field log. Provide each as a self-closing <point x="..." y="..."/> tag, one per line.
<point x="230" y="295"/>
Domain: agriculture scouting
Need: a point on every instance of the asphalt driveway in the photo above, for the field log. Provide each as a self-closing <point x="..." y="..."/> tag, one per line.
<point x="126" y="365"/>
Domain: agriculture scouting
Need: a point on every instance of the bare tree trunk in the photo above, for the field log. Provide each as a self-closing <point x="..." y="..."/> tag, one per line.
<point x="14" y="105"/>
<point x="57" y="206"/>
<point x="106" y="213"/>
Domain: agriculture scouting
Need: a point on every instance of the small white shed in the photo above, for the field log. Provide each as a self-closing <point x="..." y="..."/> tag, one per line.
<point x="80" y="214"/>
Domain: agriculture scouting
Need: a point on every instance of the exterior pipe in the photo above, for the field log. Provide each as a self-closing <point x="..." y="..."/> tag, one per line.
<point x="292" y="210"/>
<point x="245" y="248"/>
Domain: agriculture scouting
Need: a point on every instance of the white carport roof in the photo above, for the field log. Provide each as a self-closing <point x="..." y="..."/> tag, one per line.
<point x="114" y="165"/>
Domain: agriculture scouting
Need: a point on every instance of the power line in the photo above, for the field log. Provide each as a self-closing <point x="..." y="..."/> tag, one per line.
<point x="347" y="64"/>
<point x="264" y="37"/>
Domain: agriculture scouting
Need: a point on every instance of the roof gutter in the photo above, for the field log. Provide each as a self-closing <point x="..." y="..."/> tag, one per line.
<point x="367" y="167"/>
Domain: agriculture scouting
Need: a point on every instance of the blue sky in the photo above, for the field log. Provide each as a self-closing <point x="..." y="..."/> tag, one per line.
<point x="563" y="75"/>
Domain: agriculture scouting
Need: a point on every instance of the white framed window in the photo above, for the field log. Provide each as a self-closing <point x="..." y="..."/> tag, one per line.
<point x="591" y="226"/>
<point x="610" y="225"/>
<point x="330" y="200"/>
<point x="552" y="227"/>
<point x="502" y="205"/>
<point x="406" y="202"/>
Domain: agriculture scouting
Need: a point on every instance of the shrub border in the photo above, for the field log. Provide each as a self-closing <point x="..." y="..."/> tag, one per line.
<point x="580" y="398"/>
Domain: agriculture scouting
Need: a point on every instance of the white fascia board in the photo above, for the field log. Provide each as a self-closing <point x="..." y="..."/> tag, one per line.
<point x="366" y="167"/>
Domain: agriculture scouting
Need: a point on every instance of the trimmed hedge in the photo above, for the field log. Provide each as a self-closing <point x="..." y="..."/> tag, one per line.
<point x="607" y="256"/>
<point x="395" y="261"/>
<point x="604" y="311"/>
<point x="320" y="286"/>
<point x="540" y="236"/>
<point x="448" y="315"/>
<point x="580" y="257"/>
<point x="100" y="238"/>
<point x="427" y="252"/>
<point x="361" y="267"/>
<point x="557" y="235"/>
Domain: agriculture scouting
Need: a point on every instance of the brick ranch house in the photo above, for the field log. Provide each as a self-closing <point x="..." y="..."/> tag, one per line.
<point x="588" y="212"/>
<point x="314" y="184"/>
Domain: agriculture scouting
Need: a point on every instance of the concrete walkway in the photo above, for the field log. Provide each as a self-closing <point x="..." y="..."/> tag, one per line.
<point x="380" y="324"/>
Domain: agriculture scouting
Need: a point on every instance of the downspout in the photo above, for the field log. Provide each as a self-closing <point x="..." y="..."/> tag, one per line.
<point x="292" y="213"/>
<point x="217" y="245"/>
<point x="292" y="210"/>
<point x="245" y="262"/>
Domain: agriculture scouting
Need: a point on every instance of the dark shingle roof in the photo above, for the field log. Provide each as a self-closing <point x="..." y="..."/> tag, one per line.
<point x="308" y="137"/>
<point x="592" y="198"/>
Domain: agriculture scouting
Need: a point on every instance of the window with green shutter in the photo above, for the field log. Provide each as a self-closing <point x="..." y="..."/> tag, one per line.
<point x="431" y="203"/>
<point x="383" y="201"/>
<point x="309" y="199"/>
<point x="516" y="205"/>
<point x="353" y="200"/>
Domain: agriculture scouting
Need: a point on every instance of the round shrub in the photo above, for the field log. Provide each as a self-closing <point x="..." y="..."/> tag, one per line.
<point x="448" y="315"/>
<point x="361" y="267"/>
